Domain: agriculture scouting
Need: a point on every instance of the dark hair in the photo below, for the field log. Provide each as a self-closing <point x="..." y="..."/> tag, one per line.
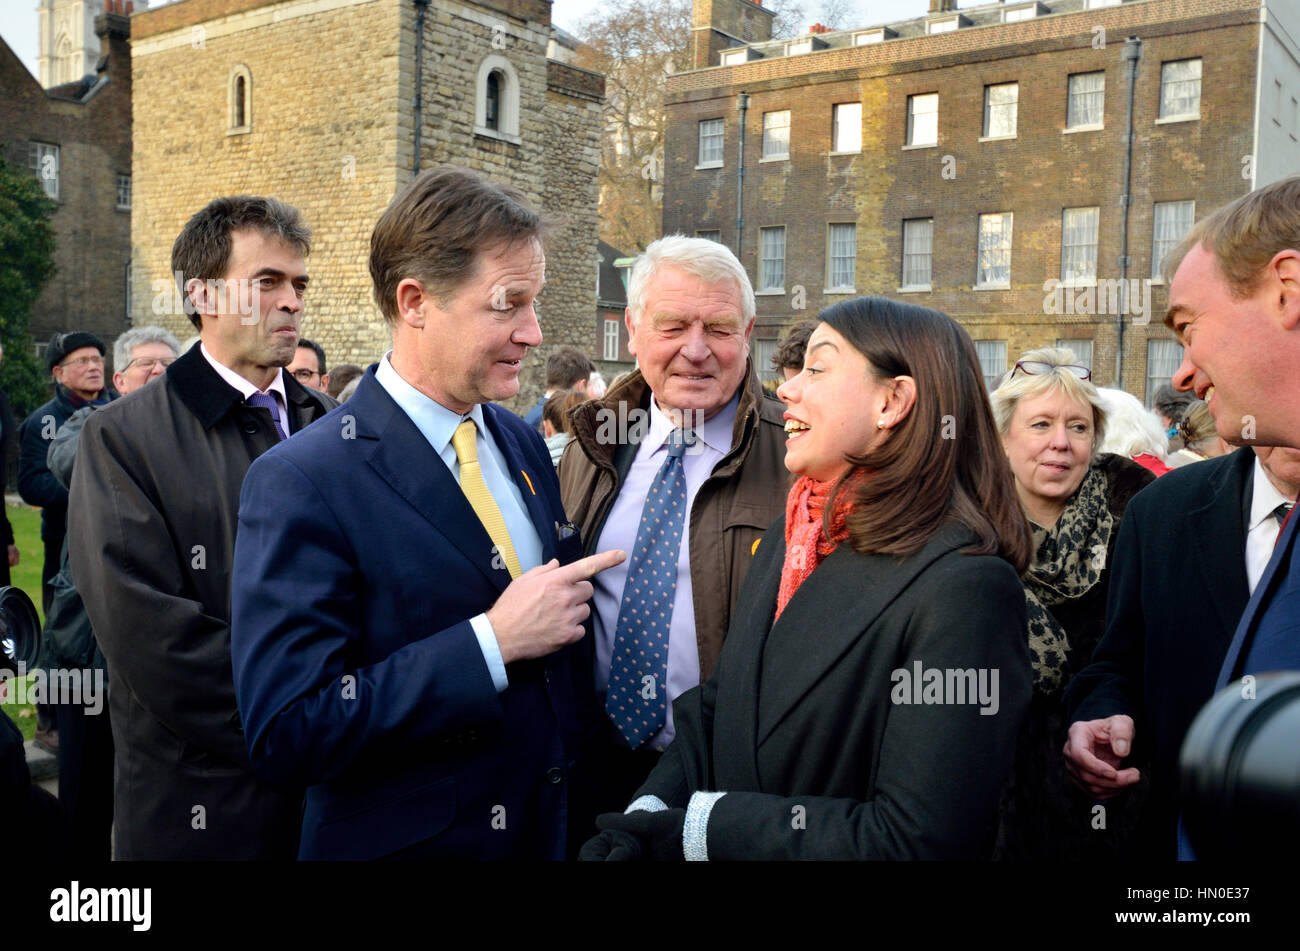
<point x="202" y="249"/>
<point x="319" y="351"/>
<point x="791" y="348"/>
<point x="557" y="407"/>
<point x="944" y="459"/>
<point x="1170" y="402"/>
<point x="567" y="366"/>
<point x="343" y="374"/>
<point x="437" y="226"/>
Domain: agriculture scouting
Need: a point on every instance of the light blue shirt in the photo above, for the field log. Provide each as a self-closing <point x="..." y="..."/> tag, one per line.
<point x="438" y="424"/>
<point x="698" y="463"/>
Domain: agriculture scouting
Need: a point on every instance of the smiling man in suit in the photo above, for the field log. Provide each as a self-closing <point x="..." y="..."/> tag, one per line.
<point x="409" y="607"/>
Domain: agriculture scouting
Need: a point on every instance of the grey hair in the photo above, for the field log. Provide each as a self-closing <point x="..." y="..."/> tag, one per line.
<point x="134" y="337"/>
<point x="699" y="257"/>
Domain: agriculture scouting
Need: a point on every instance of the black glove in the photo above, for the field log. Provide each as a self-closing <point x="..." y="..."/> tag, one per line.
<point x="612" y="846"/>
<point x="658" y="834"/>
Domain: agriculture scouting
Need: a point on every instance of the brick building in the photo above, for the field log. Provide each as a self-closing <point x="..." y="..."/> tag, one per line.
<point x="333" y="107"/>
<point x="974" y="160"/>
<point x="76" y="137"/>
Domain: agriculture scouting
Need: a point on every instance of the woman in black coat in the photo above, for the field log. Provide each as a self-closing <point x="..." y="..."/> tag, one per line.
<point x="875" y="677"/>
<point x="1052" y="421"/>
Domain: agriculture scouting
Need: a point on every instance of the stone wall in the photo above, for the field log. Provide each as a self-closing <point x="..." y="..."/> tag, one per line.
<point x="323" y="138"/>
<point x="333" y="130"/>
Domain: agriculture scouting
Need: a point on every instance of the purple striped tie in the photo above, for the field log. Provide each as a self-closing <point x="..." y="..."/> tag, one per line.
<point x="268" y="401"/>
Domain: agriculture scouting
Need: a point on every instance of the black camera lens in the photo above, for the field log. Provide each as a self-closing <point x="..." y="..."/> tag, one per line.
<point x="1240" y="767"/>
<point x="20" y="631"/>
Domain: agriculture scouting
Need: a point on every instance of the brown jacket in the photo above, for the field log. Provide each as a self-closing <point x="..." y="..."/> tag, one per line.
<point x="734" y="507"/>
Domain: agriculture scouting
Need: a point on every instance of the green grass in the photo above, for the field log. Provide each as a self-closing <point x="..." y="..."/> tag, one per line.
<point x="27" y="536"/>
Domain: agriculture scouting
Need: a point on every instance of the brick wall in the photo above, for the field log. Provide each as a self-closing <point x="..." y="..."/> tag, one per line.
<point x="88" y="290"/>
<point x="1034" y="175"/>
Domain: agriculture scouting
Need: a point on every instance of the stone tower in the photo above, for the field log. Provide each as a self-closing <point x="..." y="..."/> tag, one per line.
<point x="69" y="47"/>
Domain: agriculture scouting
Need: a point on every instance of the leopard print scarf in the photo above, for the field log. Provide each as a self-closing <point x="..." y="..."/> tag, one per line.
<point x="1068" y="560"/>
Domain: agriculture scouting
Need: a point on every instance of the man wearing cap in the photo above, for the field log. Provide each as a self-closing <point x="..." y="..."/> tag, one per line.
<point x="76" y="362"/>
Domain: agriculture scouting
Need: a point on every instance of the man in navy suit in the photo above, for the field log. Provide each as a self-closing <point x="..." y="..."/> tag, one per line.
<point x="1234" y="302"/>
<point x="408" y="602"/>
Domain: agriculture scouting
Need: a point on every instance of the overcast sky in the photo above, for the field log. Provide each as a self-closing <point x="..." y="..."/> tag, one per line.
<point x="18" y="24"/>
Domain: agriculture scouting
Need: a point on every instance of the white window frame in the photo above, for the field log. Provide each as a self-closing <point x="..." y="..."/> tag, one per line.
<point x="1008" y="107"/>
<point x="233" y="125"/>
<point x="123" y="191"/>
<point x="832" y="286"/>
<point x="775" y="146"/>
<point x="1071" y="96"/>
<point x="992" y="355"/>
<point x="918" y="246"/>
<point x="1162" y="353"/>
<point x="508" y="87"/>
<point x="911" y="141"/>
<point x="710" y="134"/>
<point x="983" y="252"/>
<point x="710" y="234"/>
<point x="771" y="264"/>
<point x="1082" y="348"/>
<point x="611" y="340"/>
<point x="37" y="155"/>
<point x="1166" y="85"/>
<point x="1079" y="250"/>
<point x="846" y="131"/>
<point x="1161" y="245"/>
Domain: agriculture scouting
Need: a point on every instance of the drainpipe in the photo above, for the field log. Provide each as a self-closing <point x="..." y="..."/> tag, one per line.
<point x="740" y="175"/>
<point x="418" y="102"/>
<point x="1132" y="52"/>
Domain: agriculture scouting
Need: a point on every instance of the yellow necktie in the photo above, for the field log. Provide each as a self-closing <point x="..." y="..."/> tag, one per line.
<point x="480" y="499"/>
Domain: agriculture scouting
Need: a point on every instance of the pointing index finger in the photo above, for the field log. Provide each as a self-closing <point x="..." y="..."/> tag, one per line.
<point x="586" y="568"/>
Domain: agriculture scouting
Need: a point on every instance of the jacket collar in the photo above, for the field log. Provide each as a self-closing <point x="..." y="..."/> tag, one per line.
<point x="210" y="398"/>
<point x="633" y="393"/>
<point x="1218" y="532"/>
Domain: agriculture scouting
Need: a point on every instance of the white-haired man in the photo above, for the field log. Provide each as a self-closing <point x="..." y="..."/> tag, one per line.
<point x="682" y="465"/>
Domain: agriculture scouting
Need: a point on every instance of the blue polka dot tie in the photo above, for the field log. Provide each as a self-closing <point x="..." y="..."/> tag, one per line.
<point x="637" y="699"/>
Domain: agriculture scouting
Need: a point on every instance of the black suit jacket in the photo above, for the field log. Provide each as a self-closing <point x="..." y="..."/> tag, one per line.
<point x="1178" y="587"/>
<point x="802" y="723"/>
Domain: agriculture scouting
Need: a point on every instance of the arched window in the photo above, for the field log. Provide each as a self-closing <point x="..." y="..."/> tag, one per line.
<point x="240" y="101"/>
<point x="496" y="111"/>
<point x="492" y="119"/>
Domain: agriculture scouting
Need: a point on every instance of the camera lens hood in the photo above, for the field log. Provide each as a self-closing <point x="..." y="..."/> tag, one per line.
<point x="20" y="630"/>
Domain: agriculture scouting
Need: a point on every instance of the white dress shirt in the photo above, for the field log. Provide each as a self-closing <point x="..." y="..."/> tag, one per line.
<point x="1263" y="528"/>
<point x="438" y="424"/>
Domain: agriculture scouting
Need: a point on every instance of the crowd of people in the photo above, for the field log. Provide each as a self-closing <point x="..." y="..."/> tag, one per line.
<point x="868" y="610"/>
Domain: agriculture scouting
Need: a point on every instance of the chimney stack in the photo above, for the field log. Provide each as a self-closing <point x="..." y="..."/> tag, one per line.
<point x="943" y="6"/>
<point x="818" y="28"/>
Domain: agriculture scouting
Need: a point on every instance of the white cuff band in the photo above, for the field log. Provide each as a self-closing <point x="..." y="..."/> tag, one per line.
<point x="695" y="829"/>
<point x="646" y="804"/>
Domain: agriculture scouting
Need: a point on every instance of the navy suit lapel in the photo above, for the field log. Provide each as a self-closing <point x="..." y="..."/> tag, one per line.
<point x="1219" y="538"/>
<point x="526" y="480"/>
<point x="403" y="458"/>
<point x="1264" y="591"/>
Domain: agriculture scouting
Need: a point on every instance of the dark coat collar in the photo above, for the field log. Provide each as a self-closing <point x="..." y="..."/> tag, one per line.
<point x="1218" y="533"/>
<point x="854" y="589"/>
<point x="209" y="397"/>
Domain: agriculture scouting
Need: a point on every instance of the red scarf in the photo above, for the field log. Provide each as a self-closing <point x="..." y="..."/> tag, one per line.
<point x="806" y="543"/>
